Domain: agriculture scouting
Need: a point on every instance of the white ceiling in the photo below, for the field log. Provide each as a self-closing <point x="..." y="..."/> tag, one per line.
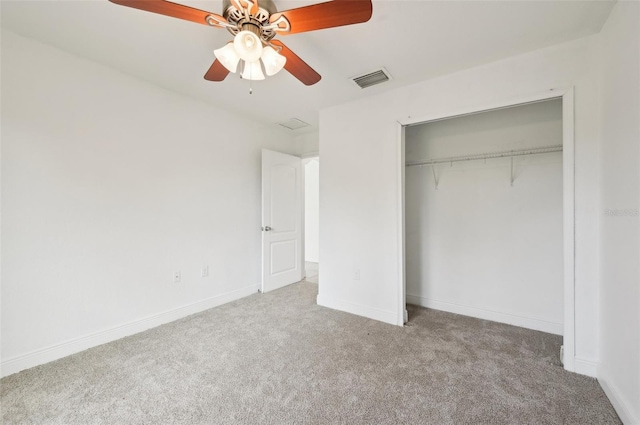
<point x="413" y="40"/>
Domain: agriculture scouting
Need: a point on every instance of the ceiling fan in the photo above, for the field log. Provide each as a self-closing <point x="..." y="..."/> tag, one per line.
<point x="254" y="24"/>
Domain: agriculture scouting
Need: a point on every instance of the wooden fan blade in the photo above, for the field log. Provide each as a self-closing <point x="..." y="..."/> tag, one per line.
<point x="319" y="16"/>
<point x="217" y="72"/>
<point x="255" y="7"/>
<point x="173" y="10"/>
<point x="297" y="67"/>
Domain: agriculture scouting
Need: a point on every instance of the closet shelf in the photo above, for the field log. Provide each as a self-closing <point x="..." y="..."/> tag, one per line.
<point x="501" y="154"/>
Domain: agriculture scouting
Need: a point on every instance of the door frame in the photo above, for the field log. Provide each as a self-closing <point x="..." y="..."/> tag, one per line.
<point x="304" y="160"/>
<point x="568" y="200"/>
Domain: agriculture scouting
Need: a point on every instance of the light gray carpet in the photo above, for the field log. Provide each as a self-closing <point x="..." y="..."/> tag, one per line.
<point x="278" y="358"/>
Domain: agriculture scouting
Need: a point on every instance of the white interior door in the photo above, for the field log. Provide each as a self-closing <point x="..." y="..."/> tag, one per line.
<point x="281" y="220"/>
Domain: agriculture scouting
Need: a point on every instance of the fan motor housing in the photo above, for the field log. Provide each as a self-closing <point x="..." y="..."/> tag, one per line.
<point x="237" y="18"/>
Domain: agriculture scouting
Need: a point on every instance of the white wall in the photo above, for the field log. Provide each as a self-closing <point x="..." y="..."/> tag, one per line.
<point x="477" y="245"/>
<point x="361" y="163"/>
<point x="307" y="144"/>
<point x="619" y="362"/>
<point x="109" y="184"/>
<point x="311" y="209"/>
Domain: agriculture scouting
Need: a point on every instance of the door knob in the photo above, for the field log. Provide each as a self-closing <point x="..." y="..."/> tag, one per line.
<point x="267" y="228"/>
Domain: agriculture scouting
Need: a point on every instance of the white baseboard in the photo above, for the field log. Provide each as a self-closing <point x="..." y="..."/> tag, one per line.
<point x="622" y="406"/>
<point x="311" y="266"/>
<point x="585" y="367"/>
<point x="480" y="313"/>
<point x="57" y="351"/>
<point x="361" y="310"/>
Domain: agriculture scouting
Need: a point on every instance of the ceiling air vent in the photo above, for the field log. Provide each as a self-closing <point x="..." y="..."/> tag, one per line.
<point x="294" y="124"/>
<point x="372" y="78"/>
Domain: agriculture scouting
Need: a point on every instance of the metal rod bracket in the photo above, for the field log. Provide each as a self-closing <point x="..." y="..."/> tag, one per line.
<point x="436" y="179"/>
<point x="512" y="176"/>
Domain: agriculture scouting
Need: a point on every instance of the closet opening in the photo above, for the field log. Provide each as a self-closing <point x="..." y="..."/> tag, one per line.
<point x="488" y="215"/>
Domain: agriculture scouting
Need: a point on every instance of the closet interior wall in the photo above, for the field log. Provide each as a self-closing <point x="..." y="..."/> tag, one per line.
<point x="484" y="237"/>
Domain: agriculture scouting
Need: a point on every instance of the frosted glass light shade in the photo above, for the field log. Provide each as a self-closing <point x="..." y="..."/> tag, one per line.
<point x="252" y="71"/>
<point x="272" y="60"/>
<point x="248" y="46"/>
<point x="228" y="57"/>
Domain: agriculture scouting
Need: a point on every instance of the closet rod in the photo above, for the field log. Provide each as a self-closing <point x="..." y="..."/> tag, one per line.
<point x="502" y="154"/>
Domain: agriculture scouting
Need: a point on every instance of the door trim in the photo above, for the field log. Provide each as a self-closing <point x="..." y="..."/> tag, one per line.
<point x="305" y="159"/>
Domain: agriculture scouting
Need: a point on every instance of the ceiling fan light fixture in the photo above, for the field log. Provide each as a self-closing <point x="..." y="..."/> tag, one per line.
<point x="248" y="44"/>
<point x="228" y="57"/>
<point x="272" y="60"/>
<point x="254" y="24"/>
<point x="252" y="71"/>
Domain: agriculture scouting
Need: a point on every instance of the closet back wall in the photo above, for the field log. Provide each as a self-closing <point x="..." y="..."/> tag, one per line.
<point x="477" y="245"/>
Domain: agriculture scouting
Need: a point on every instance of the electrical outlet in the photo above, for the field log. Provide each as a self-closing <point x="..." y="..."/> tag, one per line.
<point x="177" y="276"/>
<point x="204" y="271"/>
<point x="356" y="274"/>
